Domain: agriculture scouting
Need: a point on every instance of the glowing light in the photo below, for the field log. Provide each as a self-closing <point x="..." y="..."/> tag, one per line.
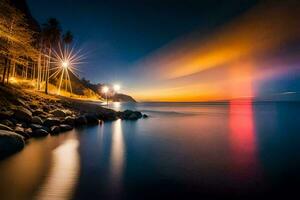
<point x="65" y="64"/>
<point x="117" y="87"/>
<point x="66" y="61"/>
<point x="105" y="89"/>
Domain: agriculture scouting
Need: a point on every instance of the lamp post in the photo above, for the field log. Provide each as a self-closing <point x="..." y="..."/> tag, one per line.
<point x="116" y="88"/>
<point x="105" y="91"/>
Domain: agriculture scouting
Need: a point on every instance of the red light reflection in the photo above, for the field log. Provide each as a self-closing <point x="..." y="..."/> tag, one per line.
<point x="242" y="139"/>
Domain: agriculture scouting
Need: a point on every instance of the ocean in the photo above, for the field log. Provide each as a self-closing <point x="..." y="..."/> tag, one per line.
<point x="182" y="150"/>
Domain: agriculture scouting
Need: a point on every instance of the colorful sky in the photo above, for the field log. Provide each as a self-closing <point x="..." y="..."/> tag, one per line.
<point x="186" y="50"/>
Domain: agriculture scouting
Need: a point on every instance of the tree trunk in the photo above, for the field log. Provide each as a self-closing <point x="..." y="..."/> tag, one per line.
<point x="39" y="68"/>
<point x="4" y="71"/>
<point x="47" y="71"/>
<point x="8" y="71"/>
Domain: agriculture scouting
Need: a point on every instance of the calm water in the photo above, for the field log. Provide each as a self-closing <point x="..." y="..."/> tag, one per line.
<point x="183" y="150"/>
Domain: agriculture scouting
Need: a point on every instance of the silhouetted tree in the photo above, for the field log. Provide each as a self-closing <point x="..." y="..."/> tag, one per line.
<point x="51" y="33"/>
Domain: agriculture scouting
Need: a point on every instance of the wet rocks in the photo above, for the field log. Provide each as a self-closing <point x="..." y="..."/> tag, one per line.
<point x="92" y="119"/>
<point x="39" y="133"/>
<point x="51" y="122"/>
<point x="10" y="143"/>
<point x="65" y="127"/>
<point x="37" y="120"/>
<point x="35" y="126"/>
<point x="23" y="132"/>
<point x="80" y="121"/>
<point x="7" y="123"/>
<point x="54" y="130"/>
<point x="69" y="120"/>
<point x="58" y="113"/>
<point x="22" y="114"/>
<point x="38" y="112"/>
<point x="130" y="115"/>
<point x="4" y="127"/>
<point x="6" y="114"/>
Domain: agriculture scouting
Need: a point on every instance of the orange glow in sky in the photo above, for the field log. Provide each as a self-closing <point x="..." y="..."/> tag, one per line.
<point x="223" y="65"/>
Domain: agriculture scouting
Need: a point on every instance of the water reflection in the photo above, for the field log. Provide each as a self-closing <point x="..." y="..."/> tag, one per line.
<point x="62" y="178"/>
<point x="117" y="156"/>
<point x="242" y="139"/>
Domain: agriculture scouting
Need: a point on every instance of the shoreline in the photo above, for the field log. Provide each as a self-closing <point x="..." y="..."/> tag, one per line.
<point x="26" y="114"/>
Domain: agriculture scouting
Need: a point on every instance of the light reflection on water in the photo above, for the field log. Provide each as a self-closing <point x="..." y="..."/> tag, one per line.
<point x="61" y="181"/>
<point x="117" y="156"/>
<point x="243" y="140"/>
<point x="217" y="150"/>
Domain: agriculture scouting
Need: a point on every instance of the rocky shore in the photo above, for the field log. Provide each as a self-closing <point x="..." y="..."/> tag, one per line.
<point x="25" y="115"/>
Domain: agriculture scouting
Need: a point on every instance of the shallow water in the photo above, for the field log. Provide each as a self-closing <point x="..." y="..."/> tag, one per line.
<point x="183" y="149"/>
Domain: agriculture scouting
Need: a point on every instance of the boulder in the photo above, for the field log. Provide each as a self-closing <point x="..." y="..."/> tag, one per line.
<point x="23" y="104"/>
<point x="39" y="133"/>
<point x="69" y="120"/>
<point x="51" y="122"/>
<point x="145" y="116"/>
<point x="131" y="115"/>
<point x="35" y="126"/>
<point x="21" y="131"/>
<point x="22" y="114"/>
<point x="54" y="130"/>
<point x="28" y="131"/>
<point x="38" y="112"/>
<point x="80" y="121"/>
<point x="65" y="127"/>
<point x="10" y="143"/>
<point x="7" y="123"/>
<point x="108" y="116"/>
<point x="6" y="128"/>
<point x="37" y="120"/>
<point x="6" y="114"/>
<point x="58" y="113"/>
<point x="92" y="119"/>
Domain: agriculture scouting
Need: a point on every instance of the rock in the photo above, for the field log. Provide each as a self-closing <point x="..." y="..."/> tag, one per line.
<point x="21" y="131"/>
<point x="51" y="122"/>
<point x="6" y="114"/>
<point x="6" y="128"/>
<point x="69" y="120"/>
<point x="34" y="106"/>
<point x="46" y="108"/>
<point x="22" y="114"/>
<point x="131" y="115"/>
<point x="38" y="112"/>
<point x="81" y="120"/>
<point x="108" y="116"/>
<point x="23" y="104"/>
<point x="28" y="131"/>
<point x="35" y="126"/>
<point x="65" y="127"/>
<point x="92" y="119"/>
<point x="10" y="143"/>
<point x="39" y="133"/>
<point x="145" y="116"/>
<point x="7" y="123"/>
<point x="22" y="124"/>
<point x="55" y="130"/>
<point x="37" y="120"/>
<point x="58" y="113"/>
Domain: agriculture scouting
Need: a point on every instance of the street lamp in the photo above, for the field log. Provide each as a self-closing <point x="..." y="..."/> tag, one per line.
<point x="65" y="64"/>
<point x="105" y="91"/>
<point x="116" y="87"/>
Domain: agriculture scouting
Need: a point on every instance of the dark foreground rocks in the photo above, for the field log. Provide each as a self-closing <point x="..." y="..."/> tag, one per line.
<point x="10" y="143"/>
<point x="25" y="115"/>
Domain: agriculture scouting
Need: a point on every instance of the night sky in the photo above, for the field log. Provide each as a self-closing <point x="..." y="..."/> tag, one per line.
<point x="120" y="35"/>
